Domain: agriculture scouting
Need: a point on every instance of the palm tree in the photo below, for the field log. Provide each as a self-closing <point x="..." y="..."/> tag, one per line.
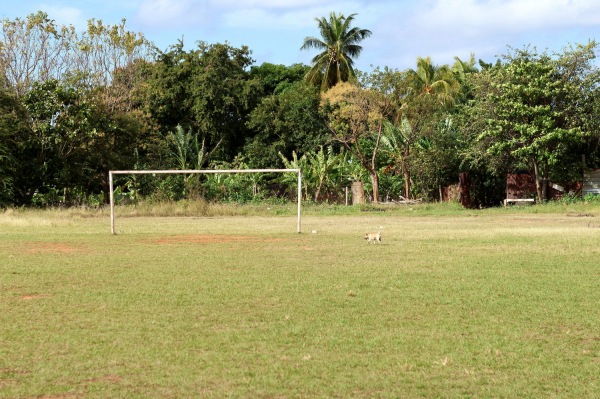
<point x="462" y="68"/>
<point x="339" y="43"/>
<point x="435" y="80"/>
<point x="430" y="89"/>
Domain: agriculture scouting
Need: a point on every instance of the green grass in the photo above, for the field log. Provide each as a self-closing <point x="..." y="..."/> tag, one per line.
<point x="498" y="303"/>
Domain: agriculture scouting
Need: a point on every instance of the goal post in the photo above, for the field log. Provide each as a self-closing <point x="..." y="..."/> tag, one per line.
<point x="194" y="171"/>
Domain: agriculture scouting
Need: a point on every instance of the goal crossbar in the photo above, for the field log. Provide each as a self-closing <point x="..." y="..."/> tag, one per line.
<point x="197" y="171"/>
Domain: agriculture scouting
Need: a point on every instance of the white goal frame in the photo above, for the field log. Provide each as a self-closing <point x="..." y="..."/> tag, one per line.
<point x="207" y="171"/>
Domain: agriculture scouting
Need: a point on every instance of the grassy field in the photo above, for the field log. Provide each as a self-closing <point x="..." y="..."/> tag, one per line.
<point x="497" y="303"/>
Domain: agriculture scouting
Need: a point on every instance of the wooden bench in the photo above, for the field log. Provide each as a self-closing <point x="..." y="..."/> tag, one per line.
<point x="518" y="200"/>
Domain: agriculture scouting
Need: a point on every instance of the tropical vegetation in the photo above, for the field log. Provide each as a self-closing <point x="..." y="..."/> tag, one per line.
<point x="75" y="105"/>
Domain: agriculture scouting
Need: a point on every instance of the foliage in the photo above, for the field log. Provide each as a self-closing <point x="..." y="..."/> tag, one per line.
<point x="532" y="113"/>
<point x="323" y="173"/>
<point x="290" y="179"/>
<point x="430" y="79"/>
<point x="78" y="90"/>
<point x="355" y="118"/>
<point x="486" y="170"/>
<point x="324" y="170"/>
<point x="435" y="160"/>
<point x="36" y="49"/>
<point x="60" y="122"/>
<point x="31" y="51"/>
<point x="283" y="123"/>
<point x="110" y="57"/>
<point x="74" y="142"/>
<point x="339" y="42"/>
<point x="591" y="198"/>
<point x="427" y="95"/>
<point x="276" y="79"/>
<point x="14" y="133"/>
<point x="396" y="145"/>
<point x="207" y="89"/>
<point x="189" y="154"/>
<point x="235" y="187"/>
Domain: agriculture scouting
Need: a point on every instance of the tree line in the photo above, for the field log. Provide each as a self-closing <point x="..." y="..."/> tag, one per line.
<point x="74" y="105"/>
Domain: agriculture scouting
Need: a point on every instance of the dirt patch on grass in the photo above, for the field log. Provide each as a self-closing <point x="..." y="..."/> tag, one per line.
<point x="35" y="296"/>
<point x="107" y="378"/>
<point x="51" y="248"/>
<point x="580" y="215"/>
<point x="213" y="239"/>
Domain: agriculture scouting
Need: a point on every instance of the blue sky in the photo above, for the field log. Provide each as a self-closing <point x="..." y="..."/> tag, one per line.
<point x="402" y="29"/>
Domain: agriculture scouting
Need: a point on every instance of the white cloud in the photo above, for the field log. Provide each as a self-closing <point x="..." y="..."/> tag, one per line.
<point x="265" y="4"/>
<point x="511" y="15"/>
<point x="276" y="20"/>
<point x="443" y="29"/>
<point x="157" y="14"/>
<point x="271" y="15"/>
<point x="64" y="15"/>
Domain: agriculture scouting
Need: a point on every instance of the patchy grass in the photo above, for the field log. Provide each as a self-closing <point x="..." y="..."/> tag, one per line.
<point x="453" y="303"/>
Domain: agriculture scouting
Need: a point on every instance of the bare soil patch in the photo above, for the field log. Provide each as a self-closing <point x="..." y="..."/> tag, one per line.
<point x="51" y="248"/>
<point x="213" y="239"/>
<point x="37" y="296"/>
<point x="107" y="378"/>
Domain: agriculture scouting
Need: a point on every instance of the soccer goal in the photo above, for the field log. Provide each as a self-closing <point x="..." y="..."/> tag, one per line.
<point x="208" y="171"/>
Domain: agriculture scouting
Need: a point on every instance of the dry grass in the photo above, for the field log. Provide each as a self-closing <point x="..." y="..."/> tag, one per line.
<point x="32" y="219"/>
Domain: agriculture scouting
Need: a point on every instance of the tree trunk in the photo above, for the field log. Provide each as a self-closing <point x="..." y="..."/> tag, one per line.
<point x="541" y="181"/>
<point x="374" y="175"/>
<point x="105" y="191"/>
<point x="545" y="181"/>
<point x="318" y="192"/>
<point x="358" y="193"/>
<point x="406" y="172"/>
<point x="464" y="188"/>
<point x="375" y="184"/>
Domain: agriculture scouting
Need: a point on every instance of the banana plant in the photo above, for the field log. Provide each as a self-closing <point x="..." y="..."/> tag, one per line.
<point x="319" y="170"/>
<point x="291" y="178"/>
<point x="323" y="165"/>
<point x="189" y="153"/>
<point x="396" y="143"/>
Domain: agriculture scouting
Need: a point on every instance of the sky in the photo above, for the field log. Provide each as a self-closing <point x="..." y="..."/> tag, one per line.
<point x="402" y="30"/>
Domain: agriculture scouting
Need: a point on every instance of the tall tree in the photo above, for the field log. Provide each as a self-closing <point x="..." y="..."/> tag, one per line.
<point x="36" y="49"/>
<point x="208" y="89"/>
<point x="110" y="57"/>
<point x="462" y="70"/>
<point x="355" y="117"/>
<point x="535" y="108"/>
<point x="421" y="96"/>
<point x="431" y="79"/>
<point x="60" y="121"/>
<point x="31" y="50"/>
<point x="283" y="123"/>
<point x="14" y="136"/>
<point x="276" y="79"/>
<point x="339" y="42"/>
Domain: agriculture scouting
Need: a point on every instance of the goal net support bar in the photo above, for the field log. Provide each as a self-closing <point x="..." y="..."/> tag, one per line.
<point x="208" y="171"/>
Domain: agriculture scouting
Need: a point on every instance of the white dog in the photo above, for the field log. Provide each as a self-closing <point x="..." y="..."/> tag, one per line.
<point x="374" y="236"/>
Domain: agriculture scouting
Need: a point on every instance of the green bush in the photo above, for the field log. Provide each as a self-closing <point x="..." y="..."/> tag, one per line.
<point x="592" y="198"/>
